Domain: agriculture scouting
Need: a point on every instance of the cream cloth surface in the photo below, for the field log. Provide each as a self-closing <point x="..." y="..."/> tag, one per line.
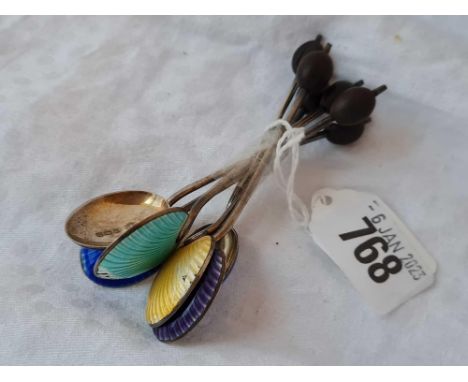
<point x="90" y="105"/>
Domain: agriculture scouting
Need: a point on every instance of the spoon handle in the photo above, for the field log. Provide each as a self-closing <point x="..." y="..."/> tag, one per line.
<point x="194" y="207"/>
<point x="289" y="98"/>
<point x="229" y="220"/>
<point x="194" y="186"/>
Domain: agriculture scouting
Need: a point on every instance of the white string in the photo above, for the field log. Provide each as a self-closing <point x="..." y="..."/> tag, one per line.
<point x="289" y="143"/>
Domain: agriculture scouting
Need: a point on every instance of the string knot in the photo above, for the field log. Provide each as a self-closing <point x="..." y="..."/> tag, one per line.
<point x="289" y="143"/>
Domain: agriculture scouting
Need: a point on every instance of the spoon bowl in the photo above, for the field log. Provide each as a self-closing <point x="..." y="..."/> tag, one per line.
<point x="197" y="304"/>
<point x="176" y="280"/>
<point x="229" y="245"/>
<point x="88" y="258"/>
<point x="100" y="221"/>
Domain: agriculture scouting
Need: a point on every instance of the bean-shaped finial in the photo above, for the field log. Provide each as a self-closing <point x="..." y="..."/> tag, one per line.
<point x="334" y="90"/>
<point x="354" y="105"/>
<point x="343" y="135"/>
<point x="314" y="72"/>
<point x="305" y="48"/>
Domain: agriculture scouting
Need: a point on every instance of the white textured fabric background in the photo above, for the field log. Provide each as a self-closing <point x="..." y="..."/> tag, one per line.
<point x="90" y="105"/>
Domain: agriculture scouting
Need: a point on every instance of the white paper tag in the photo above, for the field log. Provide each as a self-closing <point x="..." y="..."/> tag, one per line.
<point x="376" y="251"/>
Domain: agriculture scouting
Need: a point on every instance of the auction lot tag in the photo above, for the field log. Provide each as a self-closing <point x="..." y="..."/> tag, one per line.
<point x="380" y="256"/>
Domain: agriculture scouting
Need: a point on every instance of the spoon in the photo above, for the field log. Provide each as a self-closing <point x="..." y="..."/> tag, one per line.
<point x="177" y="278"/>
<point x="198" y="303"/>
<point x="187" y="284"/>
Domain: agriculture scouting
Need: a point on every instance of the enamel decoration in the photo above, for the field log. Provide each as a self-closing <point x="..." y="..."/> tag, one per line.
<point x="128" y="236"/>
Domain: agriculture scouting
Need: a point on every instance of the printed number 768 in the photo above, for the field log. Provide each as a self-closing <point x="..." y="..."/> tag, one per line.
<point x="367" y="253"/>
